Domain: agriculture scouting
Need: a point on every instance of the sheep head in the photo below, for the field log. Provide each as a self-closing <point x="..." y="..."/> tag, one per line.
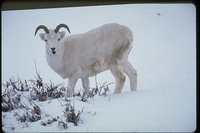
<point x="52" y="37"/>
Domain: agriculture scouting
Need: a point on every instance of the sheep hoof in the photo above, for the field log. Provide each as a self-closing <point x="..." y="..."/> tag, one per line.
<point x="68" y="99"/>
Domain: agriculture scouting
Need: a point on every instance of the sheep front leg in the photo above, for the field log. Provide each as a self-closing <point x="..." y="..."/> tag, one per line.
<point x="85" y="84"/>
<point x="71" y="86"/>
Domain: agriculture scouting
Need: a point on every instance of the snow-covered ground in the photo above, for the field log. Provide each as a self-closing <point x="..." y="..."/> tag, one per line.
<point x="164" y="55"/>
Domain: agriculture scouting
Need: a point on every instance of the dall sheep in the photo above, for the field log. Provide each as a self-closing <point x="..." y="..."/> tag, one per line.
<point x="84" y="55"/>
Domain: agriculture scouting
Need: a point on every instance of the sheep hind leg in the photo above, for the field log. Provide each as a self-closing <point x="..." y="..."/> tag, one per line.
<point x="119" y="77"/>
<point x="85" y="84"/>
<point x="131" y="73"/>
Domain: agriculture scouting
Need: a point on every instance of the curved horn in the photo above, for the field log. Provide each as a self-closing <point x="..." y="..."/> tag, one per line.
<point x="42" y="27"/>
<point x="60" y="26"/>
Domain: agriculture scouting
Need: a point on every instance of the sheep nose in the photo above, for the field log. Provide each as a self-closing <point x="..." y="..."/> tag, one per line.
<point x="53" y="49"/>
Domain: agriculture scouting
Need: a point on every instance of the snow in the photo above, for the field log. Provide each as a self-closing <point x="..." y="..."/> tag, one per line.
<point x="164" y="55"/>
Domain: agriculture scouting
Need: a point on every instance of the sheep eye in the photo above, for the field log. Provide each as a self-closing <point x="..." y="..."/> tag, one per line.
<point x="45" y="40"/>
<point x="58" y="39"/>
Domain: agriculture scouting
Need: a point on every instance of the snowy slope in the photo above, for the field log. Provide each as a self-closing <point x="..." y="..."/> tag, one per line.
<point x="164" y="55"/>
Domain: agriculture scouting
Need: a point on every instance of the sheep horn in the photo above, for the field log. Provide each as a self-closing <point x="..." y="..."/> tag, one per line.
<point x="42" y="27"/>
<point x="60" y="26"/>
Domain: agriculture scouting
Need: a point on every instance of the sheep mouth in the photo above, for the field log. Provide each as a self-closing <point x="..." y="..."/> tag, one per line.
<point x="53" y="52"/>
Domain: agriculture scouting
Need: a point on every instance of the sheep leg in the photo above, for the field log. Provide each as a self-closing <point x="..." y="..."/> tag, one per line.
<point x="71" y="86"/>
<point x="85" y="84"/>
<point x="119" y="77"/>
<point x="131" y="73"/>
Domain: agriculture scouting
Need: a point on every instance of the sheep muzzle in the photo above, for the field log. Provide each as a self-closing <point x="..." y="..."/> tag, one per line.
<point x="53" y="50"/>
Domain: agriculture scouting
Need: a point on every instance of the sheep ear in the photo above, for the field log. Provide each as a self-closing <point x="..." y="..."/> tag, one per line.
<point x="42" y="36"/>
<point x="62" y="34"/>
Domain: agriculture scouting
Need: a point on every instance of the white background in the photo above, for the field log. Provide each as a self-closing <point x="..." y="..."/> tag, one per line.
<point x="164" y="55"/>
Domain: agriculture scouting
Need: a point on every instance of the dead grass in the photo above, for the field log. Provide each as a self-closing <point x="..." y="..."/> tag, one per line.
<point x="37" y="90"/>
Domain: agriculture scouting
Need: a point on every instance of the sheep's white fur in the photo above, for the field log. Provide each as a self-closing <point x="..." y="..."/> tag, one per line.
<point x="84" y="55"/>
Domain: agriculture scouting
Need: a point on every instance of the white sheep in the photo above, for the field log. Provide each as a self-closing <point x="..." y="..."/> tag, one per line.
<point x="84" y="55"/>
